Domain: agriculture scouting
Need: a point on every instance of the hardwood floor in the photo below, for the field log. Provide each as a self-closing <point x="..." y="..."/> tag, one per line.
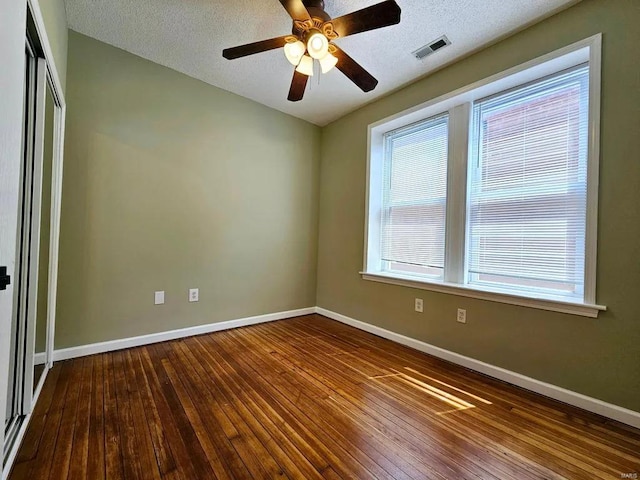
<point x="305" y="398"/>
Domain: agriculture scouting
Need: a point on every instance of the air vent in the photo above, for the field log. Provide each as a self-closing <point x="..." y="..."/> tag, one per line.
<point x="437" y="44"/>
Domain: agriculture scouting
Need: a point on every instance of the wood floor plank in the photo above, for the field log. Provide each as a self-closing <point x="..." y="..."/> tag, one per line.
<point x="96" y="453"/>
<point x="78" y="466"/>
<point x="114" y="467"/>
<point x="129" y="448"/>
<point x="305" y="398"/>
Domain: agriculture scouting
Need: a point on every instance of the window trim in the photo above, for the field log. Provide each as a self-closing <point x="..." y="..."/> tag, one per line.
<point x="458" y="103"/>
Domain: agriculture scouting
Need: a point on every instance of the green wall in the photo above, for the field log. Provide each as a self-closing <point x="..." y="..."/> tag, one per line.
<point x="597" y="357"/>
<point x="55" y="22"/>
<point x="171" y="184"/>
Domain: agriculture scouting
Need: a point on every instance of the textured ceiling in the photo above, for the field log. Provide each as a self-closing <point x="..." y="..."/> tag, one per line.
<point x="189" y="36"/>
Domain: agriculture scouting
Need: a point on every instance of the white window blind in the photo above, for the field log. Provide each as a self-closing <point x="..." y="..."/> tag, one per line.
<point x="528" y="186"/>
<point x="414" y="197"/>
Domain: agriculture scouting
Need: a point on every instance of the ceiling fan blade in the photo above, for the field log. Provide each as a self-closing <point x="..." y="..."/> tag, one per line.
<point x="296" y="9"/>
<point x="256" y="47"/>
<point x="354" y="72"/>
<point x="376" y="16"/>
<point x="298" y="85"/>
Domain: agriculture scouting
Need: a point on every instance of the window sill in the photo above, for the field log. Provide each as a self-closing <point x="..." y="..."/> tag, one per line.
<point x="563" y="306"/>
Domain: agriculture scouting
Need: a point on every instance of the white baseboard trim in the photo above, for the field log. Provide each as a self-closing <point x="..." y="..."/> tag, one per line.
<point x="101" y="347"/>
<point x="40" y="358"/>
<point x="590" y="404"/>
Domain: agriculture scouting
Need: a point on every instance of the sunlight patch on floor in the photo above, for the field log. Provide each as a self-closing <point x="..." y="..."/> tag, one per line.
<point x="427" y="384"/>
<point x="480" y="399"/>
<point x="441" y="395"/>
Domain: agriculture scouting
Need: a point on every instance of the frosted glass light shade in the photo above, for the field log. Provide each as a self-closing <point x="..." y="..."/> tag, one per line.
<point x="327" y="62"/>
<point x="294" y="52"/>
<point x="317" y="45"/>
<point x="306" y="66"/>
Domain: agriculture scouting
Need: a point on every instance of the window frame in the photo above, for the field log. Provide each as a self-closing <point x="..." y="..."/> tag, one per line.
<point x="459" y="105"/>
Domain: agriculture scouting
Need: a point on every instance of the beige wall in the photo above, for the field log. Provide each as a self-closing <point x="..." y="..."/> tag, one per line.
<point x="170" y="183"/>
<point x="55" y="21"/>
<point x="597" y="357"/>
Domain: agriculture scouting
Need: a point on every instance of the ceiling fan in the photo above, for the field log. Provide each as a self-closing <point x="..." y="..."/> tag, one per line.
<point x="312" y="39"/>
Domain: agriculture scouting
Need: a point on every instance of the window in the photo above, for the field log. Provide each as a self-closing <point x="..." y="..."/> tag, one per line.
<point x="414" y="199"/>
<point x="491" y="191"/>
<point x="527" y="186"/>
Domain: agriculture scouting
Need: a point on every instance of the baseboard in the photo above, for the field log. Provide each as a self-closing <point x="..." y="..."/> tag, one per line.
<point x="40" y="358"/>
<point x="590" y="404"/>
<point x="101" y="347"/>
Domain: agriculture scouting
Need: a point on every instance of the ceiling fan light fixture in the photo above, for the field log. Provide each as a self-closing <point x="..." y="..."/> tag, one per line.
<point x="317" y="45"/>
<point x="327" y="62"/>
<point x="306" y="66"/>
<point x="294" y="52"/>
<point x="315" y="30"/>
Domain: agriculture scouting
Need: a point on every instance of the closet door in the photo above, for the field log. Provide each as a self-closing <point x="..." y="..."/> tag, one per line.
<point x="30" y="194"/>
<point x="18" y="396"/>
<point x="24" y="280"/>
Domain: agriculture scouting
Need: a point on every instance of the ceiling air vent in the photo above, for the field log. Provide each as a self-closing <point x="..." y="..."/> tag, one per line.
<point x="437" y="44"/>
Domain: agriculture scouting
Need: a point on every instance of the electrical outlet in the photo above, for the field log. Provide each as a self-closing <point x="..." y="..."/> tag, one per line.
<point x="419" y="305"/>
<point x="159" y="298"/>
<point x="462" y="315"/>
<point x="193" y="294"/>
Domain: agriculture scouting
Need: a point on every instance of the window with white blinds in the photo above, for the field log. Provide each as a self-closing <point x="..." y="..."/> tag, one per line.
<point x="414" y="198"/>
<point x="491" y="191"/>
<point x="528" y="186"/>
